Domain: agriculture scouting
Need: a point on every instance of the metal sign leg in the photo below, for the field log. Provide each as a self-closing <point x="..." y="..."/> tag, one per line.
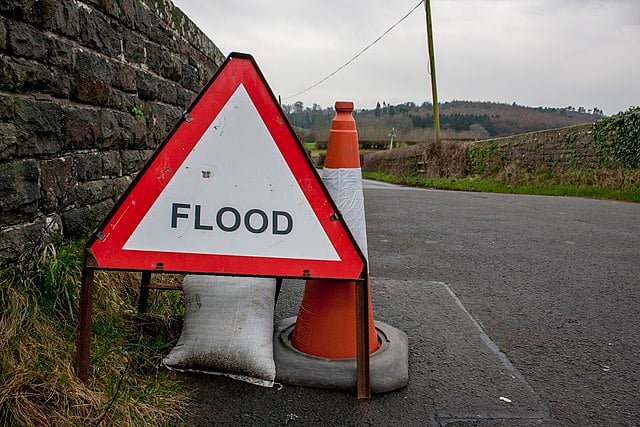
<point x="143" y="302"/>
<point x="362" y="339"/>
<point x="84" y="328"/>
<point x="278" y="287"/>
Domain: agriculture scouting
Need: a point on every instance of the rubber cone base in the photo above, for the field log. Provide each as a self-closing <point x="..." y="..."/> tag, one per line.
<point x="389" y="364"/>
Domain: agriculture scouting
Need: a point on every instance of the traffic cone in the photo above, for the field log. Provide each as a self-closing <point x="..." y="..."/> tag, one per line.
<point x="326" y="322"/>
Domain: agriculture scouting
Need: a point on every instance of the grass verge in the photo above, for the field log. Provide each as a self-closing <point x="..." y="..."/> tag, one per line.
<point x="536" y="184"/>
<point x="38" y="323"/>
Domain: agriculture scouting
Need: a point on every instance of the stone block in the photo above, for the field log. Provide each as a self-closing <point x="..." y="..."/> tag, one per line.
<point x="20" y="75"/>
<point x="149" y="24"/>
<point x="92" y="192"/>
<point x="38" y="127"/>
<point x="133" y="47"/>
<point x="19" y="8"/>
<point x="39" y="145"/>
<point x="88" y="166"/>
<point x="121" y="10"/>
<point x="124" y="77"/>
<point x="6" y="107"/>
<point x="60" y="85"/>
<point x="138" y="131"/>
<point x="75" y="221"/>
<point x="121" y="101"/>
<point x="60" y="53"/>
<point x="100" y="211"/>
<point x="13" y="75"/>
<point x="57" y="182"/>
<point x="161" y="61"/>
<point x="38" y="117"/>
<point x="184" y="97"/>
<point x="3" y="34"/>
<point x="54" y="15"/>
<point x="153" y="56"/>
<point x="160" y="118"/>
<point x="59" y="16"/>
<point x="97" y="33"/>
<point x="133" y="130"/>
<point x="147" y="86"/>
<point x="190" y="77"/>
<point x="134" y="160"/>
<point x="21" y="242"/>
<point x="19" y="187"/>
<point x="120" y="185"/>
<point x="127" y="8"/>
<point x="80" y="128"/>
<point x="108" y="129"/>
<point x="8" y="141"/>
<point x="24" y="41"/>
<point x="167" y="92"/>
<point x="111" y="164"/>
<point x="91" y="79"/>
<point x="80" y="220"/>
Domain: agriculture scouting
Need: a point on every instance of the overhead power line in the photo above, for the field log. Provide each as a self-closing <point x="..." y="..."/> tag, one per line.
<point x="319" y="82"/>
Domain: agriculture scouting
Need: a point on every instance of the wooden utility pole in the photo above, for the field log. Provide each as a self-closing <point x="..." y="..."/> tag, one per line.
<point x="432" y="71"/>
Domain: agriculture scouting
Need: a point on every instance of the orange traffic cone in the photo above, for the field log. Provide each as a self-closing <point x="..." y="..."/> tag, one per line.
<point x="326" y="323"/>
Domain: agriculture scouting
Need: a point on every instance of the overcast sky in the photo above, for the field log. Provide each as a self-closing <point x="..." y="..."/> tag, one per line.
<point x="551" y="53"/>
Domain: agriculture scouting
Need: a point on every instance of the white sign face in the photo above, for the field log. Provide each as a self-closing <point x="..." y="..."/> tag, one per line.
<point x="234" y="195"/>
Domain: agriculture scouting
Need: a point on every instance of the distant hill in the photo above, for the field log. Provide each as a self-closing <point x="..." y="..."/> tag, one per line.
<point x="458" y="120"/>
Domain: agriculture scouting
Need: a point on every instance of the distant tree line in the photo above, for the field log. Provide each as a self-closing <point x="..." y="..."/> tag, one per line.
<point x="457" y="122"/>
<point x="459" y="119"/>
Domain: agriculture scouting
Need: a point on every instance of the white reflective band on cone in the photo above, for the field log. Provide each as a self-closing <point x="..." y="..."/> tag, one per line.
<point x="345" y="187"/>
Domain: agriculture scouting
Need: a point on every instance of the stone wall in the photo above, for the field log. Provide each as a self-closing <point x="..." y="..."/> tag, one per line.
<point x="554" y="151"/>
<point x="88" y="89"/>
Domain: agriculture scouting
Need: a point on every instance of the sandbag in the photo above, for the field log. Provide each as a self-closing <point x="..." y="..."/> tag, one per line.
<point x="227" y="329"/>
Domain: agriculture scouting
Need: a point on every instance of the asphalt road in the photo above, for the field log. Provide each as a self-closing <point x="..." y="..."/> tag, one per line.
<point x="520" y="310"/>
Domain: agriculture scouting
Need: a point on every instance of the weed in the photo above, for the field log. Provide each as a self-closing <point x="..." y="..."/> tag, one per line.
<point x="570" y="138"/>
<point x="479" y="155"/>
<point x="618" y="138"/>
<point x="136" y="113"/>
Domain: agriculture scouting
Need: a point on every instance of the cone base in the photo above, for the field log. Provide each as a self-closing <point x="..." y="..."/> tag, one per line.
<point x="389" y="364"/>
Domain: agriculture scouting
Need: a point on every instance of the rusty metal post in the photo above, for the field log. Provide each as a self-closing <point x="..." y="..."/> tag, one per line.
<point x="278" y="288"/>
<point x="362" y="339"/>
<point x="143" y="301"/>
<point x="84" y="326"/>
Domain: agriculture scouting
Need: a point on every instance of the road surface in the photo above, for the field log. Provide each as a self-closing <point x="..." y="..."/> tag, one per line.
<point x="520" y="310"/>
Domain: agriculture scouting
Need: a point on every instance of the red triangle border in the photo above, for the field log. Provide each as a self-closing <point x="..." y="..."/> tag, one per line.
<point x="105" y="248"/>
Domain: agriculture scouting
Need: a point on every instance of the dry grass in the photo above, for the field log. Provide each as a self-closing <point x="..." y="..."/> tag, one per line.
<point x="38" y="326"/>
<point x="444" y="160"/>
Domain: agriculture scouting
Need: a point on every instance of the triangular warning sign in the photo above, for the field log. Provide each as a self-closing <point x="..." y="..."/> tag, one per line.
<point x="230" y="191"/>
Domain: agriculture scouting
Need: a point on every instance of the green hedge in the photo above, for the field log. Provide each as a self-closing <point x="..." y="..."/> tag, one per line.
<point x="617" y="138"/>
